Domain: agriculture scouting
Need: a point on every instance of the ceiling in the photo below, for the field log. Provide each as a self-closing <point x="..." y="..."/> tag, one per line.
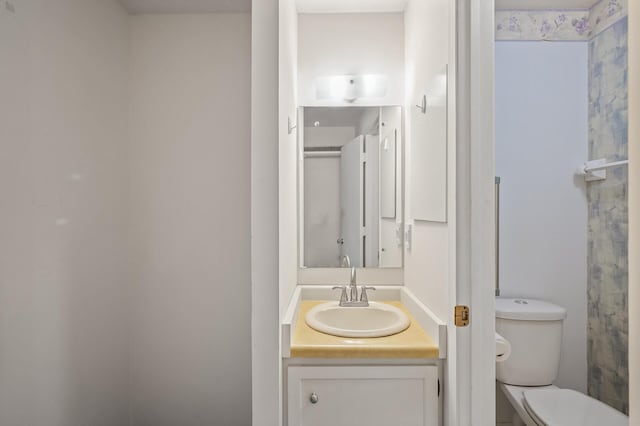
<point x="186" y="6"/>
<point x="544" y="4"/>
<point x="350" y="6"/>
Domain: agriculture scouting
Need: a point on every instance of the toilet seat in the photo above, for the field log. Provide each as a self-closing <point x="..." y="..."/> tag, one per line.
<point x="566" y="407"/>
<point x="515" y="395"/>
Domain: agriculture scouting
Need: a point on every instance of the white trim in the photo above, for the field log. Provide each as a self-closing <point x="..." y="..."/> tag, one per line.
<point x="289" y="321"/>
<point x="457" y="411"/>
<point x="634" y="213"/>
<point x="482" y="214"/>
<point x="451" y="366"/>
<point x="265" y="352"/>
<point x="475" y="213"/>
<point x="434" y="326"/>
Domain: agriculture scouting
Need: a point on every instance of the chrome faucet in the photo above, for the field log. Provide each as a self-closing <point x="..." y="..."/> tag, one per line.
<point x="352" y="298"/>
<point x="352" y="286"/>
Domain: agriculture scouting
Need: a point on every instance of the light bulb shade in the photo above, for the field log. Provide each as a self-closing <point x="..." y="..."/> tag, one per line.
<point x="351" y="87"/>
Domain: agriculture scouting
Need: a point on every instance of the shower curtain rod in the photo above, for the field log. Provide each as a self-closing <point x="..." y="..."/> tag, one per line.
<point x="322" y="153"/>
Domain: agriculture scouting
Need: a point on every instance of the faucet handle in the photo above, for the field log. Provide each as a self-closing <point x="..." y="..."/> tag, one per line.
<point x="363" y="293"/>
<point x="343" y="295"/>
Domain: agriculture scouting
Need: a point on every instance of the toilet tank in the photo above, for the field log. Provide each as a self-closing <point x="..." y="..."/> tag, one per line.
<point x="534" y="329"/>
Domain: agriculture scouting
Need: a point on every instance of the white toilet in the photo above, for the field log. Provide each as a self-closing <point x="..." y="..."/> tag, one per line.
<point x="534" y="330"/>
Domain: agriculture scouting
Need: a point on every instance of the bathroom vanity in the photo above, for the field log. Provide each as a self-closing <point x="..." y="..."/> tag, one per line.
<point x="345" y="361"/>
<point x="390" y="380"/>
<point x="364" y="172"/>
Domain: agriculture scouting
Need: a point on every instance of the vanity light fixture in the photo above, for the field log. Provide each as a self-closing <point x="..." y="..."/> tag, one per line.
<point x="351" y="87"/>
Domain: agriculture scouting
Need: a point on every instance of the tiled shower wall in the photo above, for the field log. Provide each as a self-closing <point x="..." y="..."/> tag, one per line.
<point x="607" y="350"/>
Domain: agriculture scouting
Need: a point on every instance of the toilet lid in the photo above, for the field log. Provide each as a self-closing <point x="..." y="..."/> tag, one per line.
<point x="528" y="309"/>
<point x="565" y="407"/>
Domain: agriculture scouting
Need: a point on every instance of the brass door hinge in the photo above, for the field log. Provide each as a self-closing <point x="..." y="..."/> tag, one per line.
<point x="461" y="316"/>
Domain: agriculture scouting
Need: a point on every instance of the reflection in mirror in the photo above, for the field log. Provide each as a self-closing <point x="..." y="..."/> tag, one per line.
<point x="351" y="181"/>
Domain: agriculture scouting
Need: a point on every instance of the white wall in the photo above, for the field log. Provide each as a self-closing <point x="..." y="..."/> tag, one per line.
<point x="63" y="169"/>
<point x="190" y="200"/>
<point x="427" y="50"/>
<point x="541" y="138"/>
<point x="354" y="43"/>
<point x="430" y="264"/>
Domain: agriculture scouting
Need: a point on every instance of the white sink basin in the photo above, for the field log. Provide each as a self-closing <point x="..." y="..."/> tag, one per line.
<point x="376" y="320"/>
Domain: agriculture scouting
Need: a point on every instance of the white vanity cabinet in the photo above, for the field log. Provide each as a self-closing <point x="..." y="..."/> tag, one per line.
<point x="363" y="395"/>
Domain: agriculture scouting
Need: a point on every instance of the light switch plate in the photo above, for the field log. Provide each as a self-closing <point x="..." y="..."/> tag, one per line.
<point x="408" y="230"/>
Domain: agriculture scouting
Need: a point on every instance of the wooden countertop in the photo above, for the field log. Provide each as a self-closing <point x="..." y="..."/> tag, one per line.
<point x="413" y="342"/>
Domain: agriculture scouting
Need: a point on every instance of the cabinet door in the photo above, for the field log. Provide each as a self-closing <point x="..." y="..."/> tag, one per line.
<point x="372" y="396"/>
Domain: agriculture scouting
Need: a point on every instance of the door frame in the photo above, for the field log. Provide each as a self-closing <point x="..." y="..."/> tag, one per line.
<point x="475" y="225"/>
<point x="634" y="213"/>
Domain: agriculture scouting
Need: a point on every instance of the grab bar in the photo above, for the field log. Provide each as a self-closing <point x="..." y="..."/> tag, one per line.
<point x="497" y="207"/>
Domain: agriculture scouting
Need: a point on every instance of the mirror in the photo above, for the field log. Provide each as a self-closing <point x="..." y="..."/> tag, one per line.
<point x="351" y="186"/>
